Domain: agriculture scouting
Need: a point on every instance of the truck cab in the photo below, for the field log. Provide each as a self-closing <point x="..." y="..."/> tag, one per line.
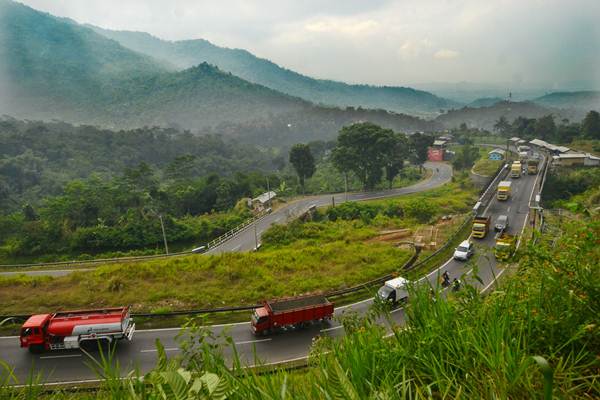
<point x="260" y="320"/>
<point x="394" y="291"/>
<point x="33" y="333"/>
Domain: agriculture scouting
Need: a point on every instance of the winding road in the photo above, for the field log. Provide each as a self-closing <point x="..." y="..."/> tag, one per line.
<point x="246" y="239"/>
<point x="70" y="366"/>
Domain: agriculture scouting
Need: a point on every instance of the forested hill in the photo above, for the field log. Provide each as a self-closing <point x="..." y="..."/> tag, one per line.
<point x="186" y="53"/>
<point x="587" y="100"/>
<point x="53" y="68"/>
<point x="486" y="117"/>
<point x="38" y="159"/>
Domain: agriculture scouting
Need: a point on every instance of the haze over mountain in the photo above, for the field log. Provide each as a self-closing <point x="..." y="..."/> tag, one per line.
<point x="54" y="68"/>
<point x="586" y="100"/>
<point x="186" y="53"/>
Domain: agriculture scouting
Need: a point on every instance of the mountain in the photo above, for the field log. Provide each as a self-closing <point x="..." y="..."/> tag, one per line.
<point x="54" y="68"/>
<point x="186" y="53"/>
<point x="486" y="117"/>
<point x="586" y="100"/>
<point x="484" y="102"/>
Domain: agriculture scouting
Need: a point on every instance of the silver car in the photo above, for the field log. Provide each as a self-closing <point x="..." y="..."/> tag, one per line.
<point x="501" y="223"/>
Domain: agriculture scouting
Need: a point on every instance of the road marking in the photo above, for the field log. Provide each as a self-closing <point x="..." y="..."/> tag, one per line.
<point x="63" y="356"/>
<point x="9" y="337"/>
<point x="180" y="328"/>
<point x="354" y="304"/>
<point x="236" y="248"/>
<point x="281" y="362"/>
<point x="253" y="341"/>
<point x="155" y="350"/>
<point x="508" y="209"/>
<point x="332" y="329"/>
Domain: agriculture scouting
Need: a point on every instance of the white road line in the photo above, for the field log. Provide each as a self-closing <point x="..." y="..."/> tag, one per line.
<point x="63" y="356"/>
<point x="332" y="329"/>
<point x="281" y="362"/>
<point x="179" y="328"/>
<point x="155" y="350"/>
<point x="354" y="304"/>
<point x="236" y="248"/>
<point x="9" y="337"/>
<point x="253" y="341"/>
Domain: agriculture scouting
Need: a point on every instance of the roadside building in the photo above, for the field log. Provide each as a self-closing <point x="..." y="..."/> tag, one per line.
<point x="437" y="151"/>
<point x="576" y="160"/>
<point x="262" y="202"/>
<point x="497" y="154"/>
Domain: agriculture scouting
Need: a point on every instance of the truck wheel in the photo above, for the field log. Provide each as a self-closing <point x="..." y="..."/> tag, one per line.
<point x="36" y="349"/>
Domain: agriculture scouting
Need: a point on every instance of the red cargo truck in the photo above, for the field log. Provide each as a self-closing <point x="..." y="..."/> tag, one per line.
<point x="292" y="312"/>
<point x="72" y="329"/>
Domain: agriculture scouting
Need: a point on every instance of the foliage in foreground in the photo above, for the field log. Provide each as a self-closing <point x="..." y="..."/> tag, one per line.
<point x="536" y="336"/>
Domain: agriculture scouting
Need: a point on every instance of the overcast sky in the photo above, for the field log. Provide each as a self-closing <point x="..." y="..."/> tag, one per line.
<point x="528" y="42"/>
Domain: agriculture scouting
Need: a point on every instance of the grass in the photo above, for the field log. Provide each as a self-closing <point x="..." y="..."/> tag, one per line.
<point x="486" y="167"/>
<point x="536" y="336"/>
<point x="318" y="257"/>
<point x="589" y="146"/>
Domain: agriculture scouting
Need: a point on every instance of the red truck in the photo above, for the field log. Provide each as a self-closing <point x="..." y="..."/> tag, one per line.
<point x="291" y="312"/>
<point x="72" y="329"/>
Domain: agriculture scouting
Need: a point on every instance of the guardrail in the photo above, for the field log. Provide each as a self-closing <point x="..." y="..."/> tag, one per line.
<point x="410" y="264"/>
<point x="72" y="263"/>
<point x="228" y="235"/>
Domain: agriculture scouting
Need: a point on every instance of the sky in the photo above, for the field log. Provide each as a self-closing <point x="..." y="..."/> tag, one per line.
<point x="533" y="43"/>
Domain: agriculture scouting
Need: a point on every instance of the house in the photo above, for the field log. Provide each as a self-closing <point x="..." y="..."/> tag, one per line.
<point x="514" y="140"/>
<point x="261" y="202"/>
<point x="497" y="154"/>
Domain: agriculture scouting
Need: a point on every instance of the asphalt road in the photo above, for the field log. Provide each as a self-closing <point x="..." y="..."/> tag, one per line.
<point x="69" y="366"/>
<point x="248" y="238"/>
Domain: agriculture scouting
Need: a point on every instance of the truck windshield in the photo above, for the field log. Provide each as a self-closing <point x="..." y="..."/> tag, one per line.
<point x="384" y="292"/>
<point x="26" y="332"/>
<point x="478" y="227"/>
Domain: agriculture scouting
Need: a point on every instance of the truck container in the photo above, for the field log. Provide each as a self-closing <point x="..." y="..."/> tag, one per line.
<point x="504" y="190"/>
<point x="480" y="228"/>
<point x="505" y="246"/>
<point x="532" y="166"/>
<point x="293" y="312"/>
<point x="72" y="329"/>
<point x="394" y="290"/>
<point x="515" y="169"/>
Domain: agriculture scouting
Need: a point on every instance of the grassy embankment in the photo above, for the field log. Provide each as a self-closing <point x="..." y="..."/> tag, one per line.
<point x="302" y="258"/>
<point x="484" y="166"/>
<point x="535" y="336"/>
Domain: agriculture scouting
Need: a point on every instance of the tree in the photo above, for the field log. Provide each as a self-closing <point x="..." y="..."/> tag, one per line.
<point x="590" y="127"/>
<point x="364" y="149"/>
<point x="465" y="157"/>
<point x="502" y="126"/>
<point x="545" y="128"/>
<point x="303" y="161"/>
<point x="394" y="162"/>
<point x="418" y="145"/>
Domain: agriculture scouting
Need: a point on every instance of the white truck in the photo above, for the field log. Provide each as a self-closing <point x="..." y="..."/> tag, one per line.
<point x="394" y="290"/>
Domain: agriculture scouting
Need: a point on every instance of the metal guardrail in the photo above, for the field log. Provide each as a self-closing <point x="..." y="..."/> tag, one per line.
<point x="214" y="243"/>
<point x="410" y="264"/>
<point x="228" y="235"/>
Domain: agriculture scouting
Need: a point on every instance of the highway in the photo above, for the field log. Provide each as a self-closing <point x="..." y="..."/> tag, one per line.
<point x="70" y="366"/>
<point x="247" y="238"/>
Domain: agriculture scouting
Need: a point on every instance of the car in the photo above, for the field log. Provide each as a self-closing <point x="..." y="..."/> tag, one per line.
<point x="501" y="223"/>
<point x="464" y="251"/>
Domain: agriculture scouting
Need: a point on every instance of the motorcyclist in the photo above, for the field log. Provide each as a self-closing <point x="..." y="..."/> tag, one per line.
<point x="445" y="279"/>
<point x="455" y="285"/>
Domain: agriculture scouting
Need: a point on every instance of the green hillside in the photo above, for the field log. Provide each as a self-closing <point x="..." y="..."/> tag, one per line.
<point x="186" y="53"/>
<point x="587" y="100"/>
<point x="53" y="68"/>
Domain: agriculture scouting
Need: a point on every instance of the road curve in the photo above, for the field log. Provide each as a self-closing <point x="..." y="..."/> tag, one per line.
<point x="70" y="366"/>
<point x="246" y="239"/>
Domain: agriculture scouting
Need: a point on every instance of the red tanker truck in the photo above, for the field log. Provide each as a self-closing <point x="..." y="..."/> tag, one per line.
<point x="72" y="329"/>
<point x="291" y="312"/>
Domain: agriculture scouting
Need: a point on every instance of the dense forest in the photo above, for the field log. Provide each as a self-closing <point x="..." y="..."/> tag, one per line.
<point x="55" y="68"/>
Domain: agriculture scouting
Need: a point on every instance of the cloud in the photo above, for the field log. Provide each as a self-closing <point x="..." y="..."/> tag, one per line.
<point x="446" y="54"/>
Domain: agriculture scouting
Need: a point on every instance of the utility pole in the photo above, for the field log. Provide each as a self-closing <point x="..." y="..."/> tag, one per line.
<point x="268" y="191"/>
<point x="255" y="237"/>
<point x="346" y="185"/>
<point x="162" y="226"/>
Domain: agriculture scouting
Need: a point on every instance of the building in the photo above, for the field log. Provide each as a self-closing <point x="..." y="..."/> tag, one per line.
<point x="576" y="160"/>
<point x="437" y="151"/>
<point x="514" y="140"/>
<point x="261" y="202"/>
<point x="497" y="154"/>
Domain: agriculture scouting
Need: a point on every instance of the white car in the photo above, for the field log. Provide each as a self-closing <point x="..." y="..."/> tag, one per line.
<point x="464" y="251"/>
